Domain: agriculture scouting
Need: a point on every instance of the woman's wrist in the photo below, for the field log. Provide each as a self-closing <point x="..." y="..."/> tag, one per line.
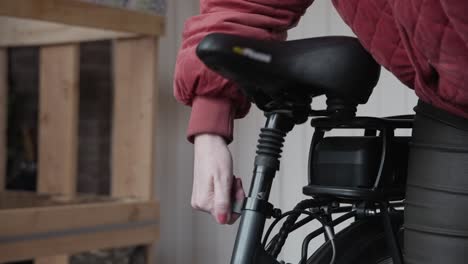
<point x="211" y="116"/>
<point x="208" y="137"/>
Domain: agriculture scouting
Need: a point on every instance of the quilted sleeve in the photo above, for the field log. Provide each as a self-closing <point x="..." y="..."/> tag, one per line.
<point x="215" y="101"/>
<point x="374" y="24"/>
<point x="456" y="11"/>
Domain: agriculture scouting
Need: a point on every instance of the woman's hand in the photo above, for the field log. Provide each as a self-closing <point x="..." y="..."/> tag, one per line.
<point x="214" y="186"/>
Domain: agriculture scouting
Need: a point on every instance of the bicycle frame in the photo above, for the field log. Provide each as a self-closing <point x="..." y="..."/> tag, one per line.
<point x="248" y="247"/>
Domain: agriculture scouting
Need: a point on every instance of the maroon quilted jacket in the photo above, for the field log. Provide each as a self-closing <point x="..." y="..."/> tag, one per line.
<point x="424" y="43"/>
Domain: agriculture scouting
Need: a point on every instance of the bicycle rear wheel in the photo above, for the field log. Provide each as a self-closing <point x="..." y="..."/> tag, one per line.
<point x="363" y="242"/>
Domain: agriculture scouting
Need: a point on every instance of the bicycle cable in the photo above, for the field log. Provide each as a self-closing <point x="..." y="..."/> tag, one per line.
<point x="276" y="243"/>
<point x="293" y="212"/>
<point x="275" y="247"/>
<point x="296" y="226"/>
<point x="331" y="238"/>
<point x="274" y="252"/>
<point x="308" y="238"/>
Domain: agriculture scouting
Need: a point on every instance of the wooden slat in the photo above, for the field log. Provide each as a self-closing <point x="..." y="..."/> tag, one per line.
<point x="24" y="32"/>
<point x="76" y="225"/>
<point x="23" y="199"/>
<point x="27" y="221"/>
<point x="15" y="200"/>
<point x="59" y="90"/>
<point x="58" y="119"/>
<point x="58" y="124"/>
<point x="135" y="97"/>
<point x="134" y="120"/>
<point x="79" y="13"/>
<point x="27" y="249"/>
<point x="49" y="260"/>
<point x="3" y="115"/>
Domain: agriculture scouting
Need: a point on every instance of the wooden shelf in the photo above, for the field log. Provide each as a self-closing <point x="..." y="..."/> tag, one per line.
<point x="85" y="14"/>
<point x="35" y="225"/>
<point x="17" y="32"/>
<point x="47" y="228"/>
<point x="44" y="22"/>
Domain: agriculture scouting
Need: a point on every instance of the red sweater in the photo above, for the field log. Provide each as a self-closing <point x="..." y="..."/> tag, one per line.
<point x="424" y="43"/>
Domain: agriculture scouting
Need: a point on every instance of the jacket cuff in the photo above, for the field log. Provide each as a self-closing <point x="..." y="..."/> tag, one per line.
<point x="211" y="116"/>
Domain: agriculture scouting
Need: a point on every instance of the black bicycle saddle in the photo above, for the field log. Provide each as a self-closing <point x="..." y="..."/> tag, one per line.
<point x="338" y="67"/>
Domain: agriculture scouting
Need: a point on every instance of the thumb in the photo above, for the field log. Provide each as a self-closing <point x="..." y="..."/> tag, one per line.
<point x="237" y="195"/>
<point x="222" y="199"/>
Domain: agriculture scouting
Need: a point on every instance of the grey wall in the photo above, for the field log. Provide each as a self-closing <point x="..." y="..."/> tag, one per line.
<point x="174" y="153"/>
<point x="190" y="237"/>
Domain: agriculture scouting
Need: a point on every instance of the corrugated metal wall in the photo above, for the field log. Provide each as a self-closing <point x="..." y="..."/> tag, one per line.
<point x="189" y="237"/>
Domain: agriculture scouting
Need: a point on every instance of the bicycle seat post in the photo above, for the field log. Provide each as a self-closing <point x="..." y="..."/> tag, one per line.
<point x="256" y="207"/>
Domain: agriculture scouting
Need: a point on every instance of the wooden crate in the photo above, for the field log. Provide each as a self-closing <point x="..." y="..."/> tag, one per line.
<point x="57" y="221"/>
<point x="41" y="226"/>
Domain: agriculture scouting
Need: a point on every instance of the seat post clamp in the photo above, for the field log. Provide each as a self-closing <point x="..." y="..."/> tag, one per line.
<point x="258" y="205"/>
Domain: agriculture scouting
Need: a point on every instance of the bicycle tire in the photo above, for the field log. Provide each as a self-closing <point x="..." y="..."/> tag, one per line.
<point x="363" y="242"/>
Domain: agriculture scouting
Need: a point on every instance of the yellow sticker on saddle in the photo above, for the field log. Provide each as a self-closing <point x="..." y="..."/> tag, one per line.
<point x="252" y="54"/>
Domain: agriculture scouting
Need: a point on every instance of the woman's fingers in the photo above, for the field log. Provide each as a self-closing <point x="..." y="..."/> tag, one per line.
<point x="222" y="199"/>
<point x="238" y="195"/>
